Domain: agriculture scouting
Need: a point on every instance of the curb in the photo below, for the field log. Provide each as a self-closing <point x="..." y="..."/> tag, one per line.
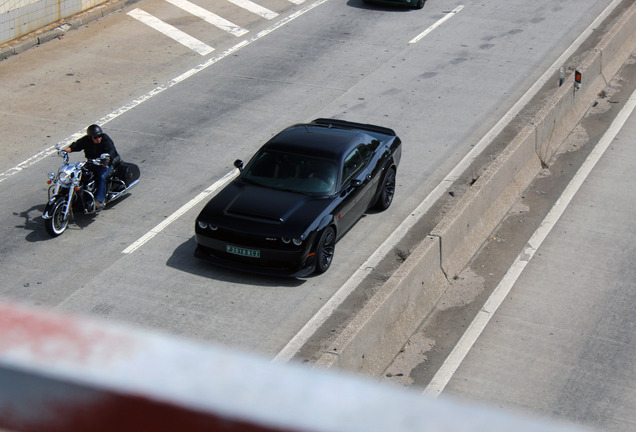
<point x="370" y="341"/>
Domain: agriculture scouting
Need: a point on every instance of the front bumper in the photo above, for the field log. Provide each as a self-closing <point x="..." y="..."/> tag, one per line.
<point x="271" y="262"/>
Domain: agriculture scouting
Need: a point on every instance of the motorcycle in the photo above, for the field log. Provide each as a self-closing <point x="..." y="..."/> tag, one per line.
<point x="72" y="189"/>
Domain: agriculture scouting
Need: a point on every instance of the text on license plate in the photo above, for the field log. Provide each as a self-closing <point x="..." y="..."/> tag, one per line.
<point x="243" y="252"/>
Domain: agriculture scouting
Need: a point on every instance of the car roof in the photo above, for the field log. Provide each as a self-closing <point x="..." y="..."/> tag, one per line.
<point x="318" y="140"/>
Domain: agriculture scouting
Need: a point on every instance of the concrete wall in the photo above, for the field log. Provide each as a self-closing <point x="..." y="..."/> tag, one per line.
<point x="371" y="340"/>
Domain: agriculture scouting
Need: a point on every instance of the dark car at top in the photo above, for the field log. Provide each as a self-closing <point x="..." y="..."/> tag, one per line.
<point x="297" y="196"/>
<point x="416" y="4"/>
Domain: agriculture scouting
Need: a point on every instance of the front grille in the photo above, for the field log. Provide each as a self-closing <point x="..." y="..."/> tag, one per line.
<point x="248" y="240"/>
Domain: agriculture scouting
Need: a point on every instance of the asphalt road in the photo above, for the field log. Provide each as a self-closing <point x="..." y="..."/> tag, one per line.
<point x="184" y="117"/>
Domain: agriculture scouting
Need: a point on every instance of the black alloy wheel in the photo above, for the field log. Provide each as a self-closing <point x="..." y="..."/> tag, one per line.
<point x="388" y="190"/>
<point x="325" y="250"/>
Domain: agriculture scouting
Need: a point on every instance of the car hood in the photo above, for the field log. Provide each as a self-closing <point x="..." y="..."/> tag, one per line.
<point x="256" y="208"/>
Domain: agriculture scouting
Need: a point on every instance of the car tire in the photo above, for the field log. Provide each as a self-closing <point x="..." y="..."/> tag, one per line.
<point x="388" y="190"/>
<point x="420" y="4"/>
<point x="325" y="250"/>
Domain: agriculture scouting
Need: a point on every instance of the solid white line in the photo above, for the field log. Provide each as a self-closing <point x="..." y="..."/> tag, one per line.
<point x="254" y="8"/>
<point x="209" y="17"/>
<point x="448" y="369"/>
<point x="176" y="215"/>
<point x="170" y="31"/>
<point x="325" y="312"/>
<point x="154" y="92"/>
<point x="437" y="24"/>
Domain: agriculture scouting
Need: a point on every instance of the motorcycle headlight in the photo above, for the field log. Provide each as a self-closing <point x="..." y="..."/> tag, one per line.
<point x="65" y="179"/>
<point x="52" y="176"/>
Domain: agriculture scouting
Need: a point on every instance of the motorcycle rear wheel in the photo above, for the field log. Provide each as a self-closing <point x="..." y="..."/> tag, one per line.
<point x="57" y="224"/>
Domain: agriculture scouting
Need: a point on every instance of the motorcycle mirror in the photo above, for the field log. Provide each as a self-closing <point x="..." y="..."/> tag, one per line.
<point x="238" y="164"/>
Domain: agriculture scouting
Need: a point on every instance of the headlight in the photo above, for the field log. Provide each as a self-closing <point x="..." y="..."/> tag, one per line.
<point x="65" y="179"/>
<point x="295" y="241"/>
<point x="203" y="225"/>
<point x="52" y="176"/>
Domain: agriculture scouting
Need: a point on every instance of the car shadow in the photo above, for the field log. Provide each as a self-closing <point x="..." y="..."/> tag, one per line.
<point x="183" y="259"/>
<point x="360" y="4"/>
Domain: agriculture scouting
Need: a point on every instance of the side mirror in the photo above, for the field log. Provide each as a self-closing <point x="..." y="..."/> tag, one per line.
<point x="238" y="164"/>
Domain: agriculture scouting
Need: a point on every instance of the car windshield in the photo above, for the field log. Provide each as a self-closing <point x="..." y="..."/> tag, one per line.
<point x="291" y="172"/>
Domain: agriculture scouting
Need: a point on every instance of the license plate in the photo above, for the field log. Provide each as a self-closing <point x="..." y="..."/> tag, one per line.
<point x="243" y="252"/>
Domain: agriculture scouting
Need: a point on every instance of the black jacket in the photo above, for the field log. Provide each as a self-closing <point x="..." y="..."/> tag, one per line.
<point x="93" y="150"/>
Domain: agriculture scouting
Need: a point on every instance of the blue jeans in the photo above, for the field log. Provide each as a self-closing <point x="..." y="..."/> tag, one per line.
<point x="101" y="174"/>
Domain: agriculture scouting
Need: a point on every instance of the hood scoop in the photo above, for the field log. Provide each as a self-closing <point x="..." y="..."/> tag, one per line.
<point x="254" y="216"/>
<point x="261" y="205"/>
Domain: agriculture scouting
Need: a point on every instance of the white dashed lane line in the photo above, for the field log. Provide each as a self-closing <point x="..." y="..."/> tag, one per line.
<point x="437" y="24"/>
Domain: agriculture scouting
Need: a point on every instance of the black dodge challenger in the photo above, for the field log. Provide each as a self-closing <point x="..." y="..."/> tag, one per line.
<point x="302" y="191"/>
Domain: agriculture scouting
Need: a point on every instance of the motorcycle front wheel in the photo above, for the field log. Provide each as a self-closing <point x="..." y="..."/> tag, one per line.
<point x="57" y="224"/>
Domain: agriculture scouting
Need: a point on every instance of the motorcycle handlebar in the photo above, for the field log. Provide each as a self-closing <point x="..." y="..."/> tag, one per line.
<point x="103" y="160"/>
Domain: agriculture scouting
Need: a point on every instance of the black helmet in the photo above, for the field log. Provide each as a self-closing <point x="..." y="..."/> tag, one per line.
<point x="94" y="131"/>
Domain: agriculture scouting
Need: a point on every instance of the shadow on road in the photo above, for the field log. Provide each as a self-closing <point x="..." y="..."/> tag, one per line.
<point x="183" y="259"/>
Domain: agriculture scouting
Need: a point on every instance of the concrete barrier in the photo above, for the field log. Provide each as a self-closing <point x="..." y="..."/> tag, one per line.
<point x="371" y="340"/>
<point x="467" y="225"/>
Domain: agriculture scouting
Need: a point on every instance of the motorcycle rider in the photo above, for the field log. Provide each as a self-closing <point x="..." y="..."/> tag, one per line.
<point x="94" y="144"/>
